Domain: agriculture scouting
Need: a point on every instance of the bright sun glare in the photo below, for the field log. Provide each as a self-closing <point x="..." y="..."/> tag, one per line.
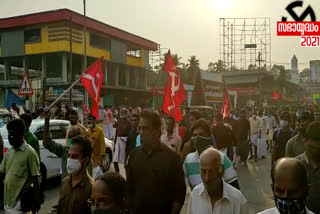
<point x="222" y="4"/>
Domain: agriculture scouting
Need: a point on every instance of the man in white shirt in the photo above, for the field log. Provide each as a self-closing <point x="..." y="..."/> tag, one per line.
<point x="262" y="145"/>
<point x="170" y="139"/>
<point x="290" y="187"/>
<point x="213" y="195"/>
<point x="255" y="129"/>
<point x="271" y="125"/>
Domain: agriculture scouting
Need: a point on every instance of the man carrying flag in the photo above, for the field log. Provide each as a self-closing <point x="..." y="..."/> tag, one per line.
<point x="175" y="93"/>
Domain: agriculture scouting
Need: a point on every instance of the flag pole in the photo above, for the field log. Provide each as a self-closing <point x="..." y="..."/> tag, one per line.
<point x="85" y="51"/>
<point x="68" y="89"/>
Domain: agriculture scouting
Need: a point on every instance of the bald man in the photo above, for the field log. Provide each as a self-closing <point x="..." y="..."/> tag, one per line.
<point x="213" y="195"/>
<point x="290" y="187"/>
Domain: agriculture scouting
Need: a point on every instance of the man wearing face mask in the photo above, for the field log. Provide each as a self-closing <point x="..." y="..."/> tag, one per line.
<point x="290" y="187"/>
<point x="154" y="172"/>
<point x="76" y="188"/>
<point x="74" y="123"/>
<point x="295" y="145"/>
<point x="122" y="132"/>
<point x="56" y="148"/>
<point x="201" y="140"/>
<point x="96" y="136"/>
<point x="214" y="195"/>
<point x="311" y="159"/>
<point x="20" y="170"/>
<point x="280" y="137"/>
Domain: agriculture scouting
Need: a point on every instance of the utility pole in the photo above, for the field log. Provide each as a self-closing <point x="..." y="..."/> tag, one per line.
<point x="70" y="60"/>
<point x="259" y="77"/>
<point x="85" y="53"/>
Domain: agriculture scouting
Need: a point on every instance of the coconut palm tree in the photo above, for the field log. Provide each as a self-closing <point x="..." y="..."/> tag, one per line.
<point x="193" y="64"/>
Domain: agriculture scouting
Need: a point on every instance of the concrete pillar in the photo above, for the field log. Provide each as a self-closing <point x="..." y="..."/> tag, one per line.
<point x="106" y="71"/>
<point x="116" y="75"/>
<point x="136" y="73"/>
<point x="25" y="65"/>
<point x="127" y="76"/>
<point x="44" y="77"/>
<point x="7" y="73"/>
<point x="64" y="68"/>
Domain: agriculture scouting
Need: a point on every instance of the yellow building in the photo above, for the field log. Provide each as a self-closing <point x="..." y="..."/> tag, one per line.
<point x="40" y="45"/>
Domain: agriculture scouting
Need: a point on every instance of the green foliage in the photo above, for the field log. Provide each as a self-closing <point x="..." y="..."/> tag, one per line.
<point x="304" y="76"/>
<point x="218" y="66"/>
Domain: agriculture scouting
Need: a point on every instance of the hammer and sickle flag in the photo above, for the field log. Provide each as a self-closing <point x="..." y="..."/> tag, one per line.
<point x="175" y="93"/>
<point x="91" y="80"/>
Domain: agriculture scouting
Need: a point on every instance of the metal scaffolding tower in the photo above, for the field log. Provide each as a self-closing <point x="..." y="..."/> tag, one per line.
<point x="241" y="41"/>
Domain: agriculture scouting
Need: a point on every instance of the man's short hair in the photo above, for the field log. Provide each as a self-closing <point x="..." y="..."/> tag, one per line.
<point x="17" y="124"/>
<point x="201" y="123"/>
<point x="117" y="185"/>
<point x="313" y="131"/>
<point x="136" y="116"/>
<point x="171" y="118"/>
<point x="85" y="143"/>
<point x="219" y="117"/>
<point x="90" y="116"/>
<point x="196" y="114"/>
<point x="152" y="117"/>
<point x="305" y="116"/>
<point x="27" y="119"/>
<point x="73" y="113"/>
<point x="301" y="172"/>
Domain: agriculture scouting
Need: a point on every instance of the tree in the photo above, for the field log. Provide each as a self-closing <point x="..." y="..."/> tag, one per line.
<point x="252" y="67"/>
<point x="278" y="70"/>
<point x="193" y="64"/>
<point x="304" y="76"/>
<point x="218" y="67"/>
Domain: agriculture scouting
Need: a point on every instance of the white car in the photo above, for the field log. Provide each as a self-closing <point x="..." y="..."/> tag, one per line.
<point x="50" y="163"/>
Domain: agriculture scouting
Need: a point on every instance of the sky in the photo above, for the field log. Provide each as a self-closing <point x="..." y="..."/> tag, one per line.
<point x="187" y="27"/>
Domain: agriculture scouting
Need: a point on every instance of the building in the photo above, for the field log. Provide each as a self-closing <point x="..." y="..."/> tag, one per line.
<point x="246" y="84"/>
<point x="40" y="44"/>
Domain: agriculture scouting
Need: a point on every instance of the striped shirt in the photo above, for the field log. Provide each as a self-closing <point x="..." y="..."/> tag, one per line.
<point x="191" y="169"/>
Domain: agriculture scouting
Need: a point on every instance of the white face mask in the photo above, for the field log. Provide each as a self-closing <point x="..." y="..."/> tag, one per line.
<point x="73" y="166"/>
<point x="283" y="123"/>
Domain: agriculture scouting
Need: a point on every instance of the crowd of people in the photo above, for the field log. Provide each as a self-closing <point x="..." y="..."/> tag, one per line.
<point x="163" y="158"/>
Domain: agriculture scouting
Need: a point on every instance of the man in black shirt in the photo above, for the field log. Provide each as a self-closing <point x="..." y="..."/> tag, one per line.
<point x="154" y="172"/>
<point x="133" y="133"/>
<point x="242" y="134"/>
<point x="224" y="136"/>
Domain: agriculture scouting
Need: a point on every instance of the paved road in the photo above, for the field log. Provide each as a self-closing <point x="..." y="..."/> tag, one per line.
<point x="254" y="183"/>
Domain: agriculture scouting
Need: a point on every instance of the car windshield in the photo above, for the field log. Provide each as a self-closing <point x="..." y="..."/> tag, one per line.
<point x="4" y="119"/>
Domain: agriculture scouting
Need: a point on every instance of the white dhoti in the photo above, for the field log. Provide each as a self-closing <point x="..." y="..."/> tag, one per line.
<point x="108" y="131"/>
<point x="16" y="209"/>
<point x="262" y="146"/>
<point x="120" y="150"/>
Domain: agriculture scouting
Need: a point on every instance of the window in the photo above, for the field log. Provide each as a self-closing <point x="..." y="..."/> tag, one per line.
<point x="32" y="35"/>
<point x="135" y="53"/>
<point x="100" y="42"/>
<point x="56" y="131"/>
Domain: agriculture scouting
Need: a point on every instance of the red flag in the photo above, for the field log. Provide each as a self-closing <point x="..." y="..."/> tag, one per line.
<point x="174" y="93"/>
<point x="92" y="81"/>
<point x="276" y="96"/>
<point x="226" y="107"/>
